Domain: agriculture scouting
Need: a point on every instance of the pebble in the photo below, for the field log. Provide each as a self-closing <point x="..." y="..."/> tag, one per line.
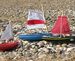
<point x="30" y="60"/>
<point x="41" y="44"/>
<point x="46" y="50"/>
<point x="42" y="55"/>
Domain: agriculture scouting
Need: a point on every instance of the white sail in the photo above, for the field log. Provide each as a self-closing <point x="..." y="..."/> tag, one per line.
<point x="8" y="34"/>
<point x="33" y="16"/>
<point x="36" y="26"/>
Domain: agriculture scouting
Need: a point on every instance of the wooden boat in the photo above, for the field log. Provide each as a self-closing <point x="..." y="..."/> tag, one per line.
<point x="61" y="27"/>
<point x="7" y="35"/>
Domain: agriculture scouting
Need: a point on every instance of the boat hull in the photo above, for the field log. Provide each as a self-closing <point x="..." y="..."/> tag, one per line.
<point x="55" y="38"/>
<point x="48" y="38"/>
<point x="8" y="46"/>
<point x="33" y="37"/>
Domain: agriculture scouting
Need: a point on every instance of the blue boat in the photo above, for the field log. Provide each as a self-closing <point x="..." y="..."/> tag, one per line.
<point x="35" y="22"/>
<point x="34" y="36"/>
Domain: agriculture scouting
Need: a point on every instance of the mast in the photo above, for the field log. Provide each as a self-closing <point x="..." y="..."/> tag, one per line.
<point x="43" y="16"/>
<point x="42" y="11"/>
<point x="61" y="25"/>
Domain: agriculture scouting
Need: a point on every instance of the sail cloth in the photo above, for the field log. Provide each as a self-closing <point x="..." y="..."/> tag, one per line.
<point x="35" y="19"/>
<point x="8" y="33"/>
<point x="61" y="26"/>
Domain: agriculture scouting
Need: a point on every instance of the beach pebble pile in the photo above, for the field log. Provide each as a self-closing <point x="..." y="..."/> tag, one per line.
<point x="40" y="51"/>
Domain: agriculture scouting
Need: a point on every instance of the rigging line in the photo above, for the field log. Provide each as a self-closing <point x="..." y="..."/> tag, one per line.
<point x="61" y="24"/>
<point x="43" y="15"/>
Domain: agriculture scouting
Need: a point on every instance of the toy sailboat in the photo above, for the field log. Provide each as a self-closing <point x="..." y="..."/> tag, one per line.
<point x="35" y="20"/>
<point x="61" y="28"/>
<point x="7" y="35"/>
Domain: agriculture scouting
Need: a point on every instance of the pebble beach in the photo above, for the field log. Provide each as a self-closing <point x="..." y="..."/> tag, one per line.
<point x="16" y="12"/>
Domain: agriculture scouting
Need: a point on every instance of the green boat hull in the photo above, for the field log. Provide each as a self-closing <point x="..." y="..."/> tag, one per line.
<point x="58" y="38"/>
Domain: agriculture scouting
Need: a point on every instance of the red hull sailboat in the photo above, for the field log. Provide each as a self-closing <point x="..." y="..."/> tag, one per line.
<point x="7" y="35"/>
<point x="8" y="46"/>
